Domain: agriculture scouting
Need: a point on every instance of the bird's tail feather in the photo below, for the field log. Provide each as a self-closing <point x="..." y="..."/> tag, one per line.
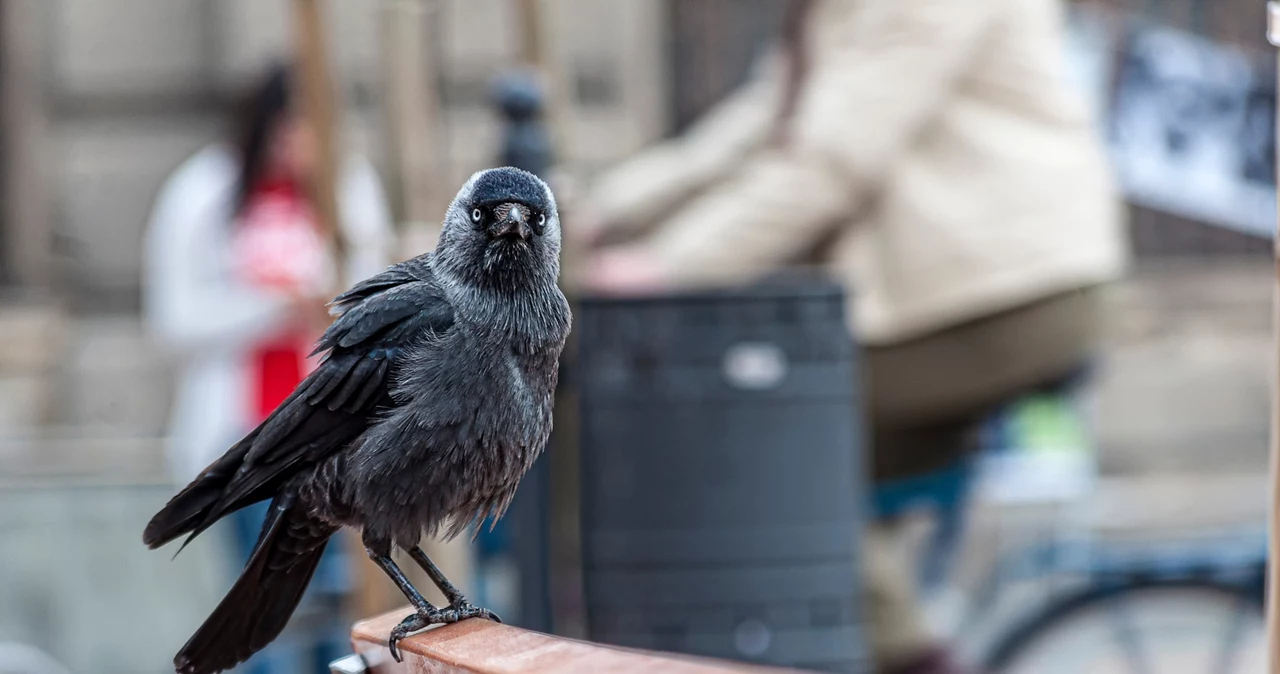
<point x="198" y="505"/>
<point x="258" y="606"/>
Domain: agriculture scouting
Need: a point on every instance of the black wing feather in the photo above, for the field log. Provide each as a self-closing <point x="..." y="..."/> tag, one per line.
<point x="377" y="319"/>
<point x="330" y="376"/>
<point x="373" y="388"/>
<point x="395" y="275"/>
<point x="356" y="381"/>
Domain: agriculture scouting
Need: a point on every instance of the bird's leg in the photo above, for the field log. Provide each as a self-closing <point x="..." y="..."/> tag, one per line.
<point x="453" y="594"/>
<point x="457" y="602"/>
<point x="393" y="571"/>
<point x="424" y="613"/>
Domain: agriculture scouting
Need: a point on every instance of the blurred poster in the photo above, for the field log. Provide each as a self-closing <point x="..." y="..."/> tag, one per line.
<point x="1191" y="125"/>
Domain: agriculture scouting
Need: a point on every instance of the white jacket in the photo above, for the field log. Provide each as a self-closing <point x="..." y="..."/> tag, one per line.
<point x="941" y="163"/>
<point x="208" y="320"/>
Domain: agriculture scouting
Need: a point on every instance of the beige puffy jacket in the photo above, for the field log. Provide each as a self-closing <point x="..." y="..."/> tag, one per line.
<point x="940" y="161"/>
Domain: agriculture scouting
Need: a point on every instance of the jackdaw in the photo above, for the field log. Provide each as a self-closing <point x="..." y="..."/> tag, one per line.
<point x="433" y="399"/>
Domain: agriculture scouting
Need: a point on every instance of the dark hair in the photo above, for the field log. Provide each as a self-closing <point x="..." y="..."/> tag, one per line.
<point x="256" y="119"/>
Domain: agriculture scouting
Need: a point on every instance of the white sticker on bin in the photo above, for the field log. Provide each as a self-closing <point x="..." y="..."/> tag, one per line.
<point x="755" y="366"/>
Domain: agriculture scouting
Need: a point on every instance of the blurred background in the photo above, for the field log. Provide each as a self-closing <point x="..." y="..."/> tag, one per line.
<point x="101" y="102"/>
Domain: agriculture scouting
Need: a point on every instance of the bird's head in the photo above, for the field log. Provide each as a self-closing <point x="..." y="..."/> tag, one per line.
<point x="502" y="227"/>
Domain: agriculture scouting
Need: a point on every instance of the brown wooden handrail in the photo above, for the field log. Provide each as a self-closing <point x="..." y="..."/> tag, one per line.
<point x="483" y="647"/>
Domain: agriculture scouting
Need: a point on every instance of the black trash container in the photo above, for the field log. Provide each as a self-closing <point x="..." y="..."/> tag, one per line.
<point x="721" y="476"/>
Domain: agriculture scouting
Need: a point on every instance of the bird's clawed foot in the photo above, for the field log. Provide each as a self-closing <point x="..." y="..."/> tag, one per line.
<point x="421" y="620"/>
<point x="464" y="610"/>
<point x="412" y="623"/>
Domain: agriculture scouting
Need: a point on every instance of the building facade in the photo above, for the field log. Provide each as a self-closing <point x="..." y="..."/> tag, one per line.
<point x="102" y="100"/>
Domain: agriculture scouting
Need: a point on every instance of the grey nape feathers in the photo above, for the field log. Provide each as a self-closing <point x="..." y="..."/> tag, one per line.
<point x="433" y="399"/>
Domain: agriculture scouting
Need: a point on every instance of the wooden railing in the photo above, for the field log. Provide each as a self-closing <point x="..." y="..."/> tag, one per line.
<point x="483" y="647"/>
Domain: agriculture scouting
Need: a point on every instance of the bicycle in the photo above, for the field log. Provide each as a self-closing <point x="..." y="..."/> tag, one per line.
<point x="1156" y="607"/>
<point x="1184" y="594"/>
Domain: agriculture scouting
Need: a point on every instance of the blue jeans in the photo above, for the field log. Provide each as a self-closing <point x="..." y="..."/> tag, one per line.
<point x="301" y="651"/>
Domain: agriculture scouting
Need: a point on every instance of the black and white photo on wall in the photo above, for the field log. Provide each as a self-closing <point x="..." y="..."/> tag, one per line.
<point x="1191" y="128"/>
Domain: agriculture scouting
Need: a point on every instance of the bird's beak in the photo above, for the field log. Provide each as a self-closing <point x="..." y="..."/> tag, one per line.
<point x="514" y="222"/>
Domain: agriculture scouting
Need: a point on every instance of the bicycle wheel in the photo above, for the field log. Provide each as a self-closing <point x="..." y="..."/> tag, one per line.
<point x="1151" y="627"/>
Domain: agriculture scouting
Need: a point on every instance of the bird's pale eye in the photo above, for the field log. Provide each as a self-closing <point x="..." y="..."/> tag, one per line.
<point x="476" y="215"/>
<point x="542" y="219"/>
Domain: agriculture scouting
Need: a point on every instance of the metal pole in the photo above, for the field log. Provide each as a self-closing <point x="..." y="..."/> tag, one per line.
<point x="1273" y="525"/>
<point x="410" y="62"/>
<point x="524" y="103"/>
<point x="537" y="55"/>
<point x="319" y="107"/>
<point x="532" y="48"/>
<point x="412" y="114"/>
<point x="526" y="144"/>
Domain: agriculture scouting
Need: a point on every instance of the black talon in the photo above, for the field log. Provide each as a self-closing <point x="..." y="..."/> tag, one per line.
<point x="466" y="609"/>
<point x="420" y="620"/>
<point x="412" y="623"/>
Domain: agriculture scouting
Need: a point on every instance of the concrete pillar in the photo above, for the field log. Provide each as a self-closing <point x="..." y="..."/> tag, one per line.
<point x="25" y="220"/>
